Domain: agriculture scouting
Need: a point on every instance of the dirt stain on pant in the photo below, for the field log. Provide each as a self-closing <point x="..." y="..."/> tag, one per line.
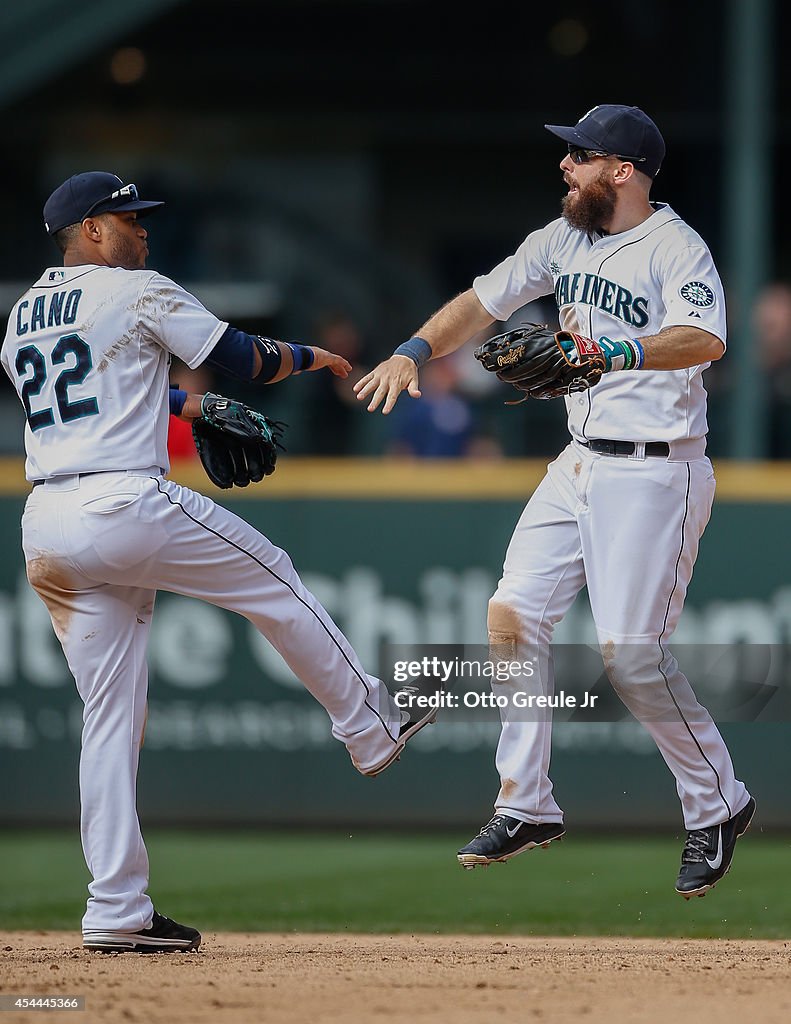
<point x="51" y="580"/>
<point x="504" y="629"/>
<point x="507" y="788"/>
<point x="143" y="730"/>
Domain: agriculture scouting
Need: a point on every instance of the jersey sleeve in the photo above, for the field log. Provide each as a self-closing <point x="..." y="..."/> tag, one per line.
<point x="692" y="293"/>
<point x="172" y="317"/>
<point x="519" y="279"/>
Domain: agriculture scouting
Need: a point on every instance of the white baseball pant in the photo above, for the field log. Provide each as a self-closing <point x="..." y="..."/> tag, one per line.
<point x="97" y="549"/>
<point x="629" y="529"/>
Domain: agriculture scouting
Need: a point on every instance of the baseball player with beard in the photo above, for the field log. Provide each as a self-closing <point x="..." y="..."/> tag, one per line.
<point x="88" y="348"/>
<point x="623" y="507"/>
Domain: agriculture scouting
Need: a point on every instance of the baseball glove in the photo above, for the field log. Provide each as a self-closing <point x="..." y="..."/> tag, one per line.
<point x="236" y="444"/>
<point x="541" y="362"/>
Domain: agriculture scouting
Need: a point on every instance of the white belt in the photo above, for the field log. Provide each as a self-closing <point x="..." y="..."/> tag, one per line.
<point x="71" y="481"/>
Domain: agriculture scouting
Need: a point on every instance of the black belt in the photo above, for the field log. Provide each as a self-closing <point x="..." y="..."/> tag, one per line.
<point x="603" y="446"/>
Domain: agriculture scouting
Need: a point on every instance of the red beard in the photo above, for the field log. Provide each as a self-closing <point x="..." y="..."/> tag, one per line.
<point x="592" y="207"/>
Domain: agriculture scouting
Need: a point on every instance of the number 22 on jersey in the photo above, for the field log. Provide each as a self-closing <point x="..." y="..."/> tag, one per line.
<point x="29" y="357"/>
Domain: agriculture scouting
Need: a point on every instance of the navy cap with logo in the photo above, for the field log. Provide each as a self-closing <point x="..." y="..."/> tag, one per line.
<point x="89" y="194"/>
<point x="620" y="131"/>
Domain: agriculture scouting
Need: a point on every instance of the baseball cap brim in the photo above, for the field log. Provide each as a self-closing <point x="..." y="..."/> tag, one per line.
<point x="143" y="207"/>
<point x="135" y="204"/>
<point x="574" y="136"/>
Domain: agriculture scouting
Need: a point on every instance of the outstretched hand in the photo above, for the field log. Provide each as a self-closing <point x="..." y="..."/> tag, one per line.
<point x="335" y="364"/>
<point x="386" y="382"/>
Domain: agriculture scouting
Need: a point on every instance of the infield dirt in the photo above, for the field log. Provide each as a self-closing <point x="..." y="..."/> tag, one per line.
<point x="420" y="979"/>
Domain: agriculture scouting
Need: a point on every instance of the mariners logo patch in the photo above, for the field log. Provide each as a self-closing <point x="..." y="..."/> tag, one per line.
<point x="698" y="293"/>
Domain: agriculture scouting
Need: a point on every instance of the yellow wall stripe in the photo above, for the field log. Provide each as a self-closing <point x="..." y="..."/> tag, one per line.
<point x="438" y="479"/>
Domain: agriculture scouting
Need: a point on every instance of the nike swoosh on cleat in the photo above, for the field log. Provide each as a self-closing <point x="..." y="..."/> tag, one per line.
<point x="511" y="834"/>
<point x="714" y="864"/>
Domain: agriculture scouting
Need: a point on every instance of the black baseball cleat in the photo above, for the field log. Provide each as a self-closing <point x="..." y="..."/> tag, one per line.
<point x="708" y="853"/>
<point x="505" y="837"/>
<point x="413" y="719"/>
<point x="161" y="936"/>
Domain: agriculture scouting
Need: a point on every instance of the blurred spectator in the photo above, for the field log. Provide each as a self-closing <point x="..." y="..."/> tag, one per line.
<point x="333" y="411"/>
<point x="442" y="424"/>
<point x="772" y="331"/>
<point x="180" y="442"/>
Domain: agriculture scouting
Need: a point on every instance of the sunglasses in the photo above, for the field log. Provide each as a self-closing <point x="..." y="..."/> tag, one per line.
<point x="126" y="192"/>
<point x="582" y="156"/>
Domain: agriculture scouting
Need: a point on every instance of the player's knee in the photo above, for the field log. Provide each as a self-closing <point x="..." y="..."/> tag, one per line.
<point x="632" y="661"/>
<point x="38" y="570"/>
<point x="48" y="576"/>
<point x="518" y="612"/>
<point x="504" y="628"/>
<point x="638" y="671"/>
<point x="502" y="617"/>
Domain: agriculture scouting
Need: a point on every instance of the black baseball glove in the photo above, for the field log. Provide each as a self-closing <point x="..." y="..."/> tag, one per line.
<point x="543" y="363"/>
<point x="236" y="444"/>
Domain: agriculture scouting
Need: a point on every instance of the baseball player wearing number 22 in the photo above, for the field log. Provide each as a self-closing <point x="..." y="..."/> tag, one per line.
<point x="623" y="508"/>
<point x="88" y="348"/>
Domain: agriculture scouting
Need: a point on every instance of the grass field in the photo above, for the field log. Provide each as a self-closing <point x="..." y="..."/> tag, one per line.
<point x="363" y="882"/>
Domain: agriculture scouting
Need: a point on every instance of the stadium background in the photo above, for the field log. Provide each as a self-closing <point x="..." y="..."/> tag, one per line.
<point x="366" y="160"/>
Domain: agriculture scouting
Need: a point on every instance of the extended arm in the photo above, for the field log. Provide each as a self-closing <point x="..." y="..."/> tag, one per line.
<point x="253" y="357"/>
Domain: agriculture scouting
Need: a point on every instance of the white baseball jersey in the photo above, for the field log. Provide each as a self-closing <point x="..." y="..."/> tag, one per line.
<point x="632" y="284"/>
<point x="63" y="335"/>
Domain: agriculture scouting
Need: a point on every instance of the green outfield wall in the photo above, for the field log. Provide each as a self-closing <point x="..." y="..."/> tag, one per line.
<point x="398" y="553"/>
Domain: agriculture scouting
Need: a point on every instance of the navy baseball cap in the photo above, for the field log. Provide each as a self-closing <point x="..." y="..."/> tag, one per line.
<point x="89" y="194"/>
<point x="618" y="130"/>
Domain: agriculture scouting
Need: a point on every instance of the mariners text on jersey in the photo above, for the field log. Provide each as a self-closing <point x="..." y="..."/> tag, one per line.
<point x="609" y="296"/>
